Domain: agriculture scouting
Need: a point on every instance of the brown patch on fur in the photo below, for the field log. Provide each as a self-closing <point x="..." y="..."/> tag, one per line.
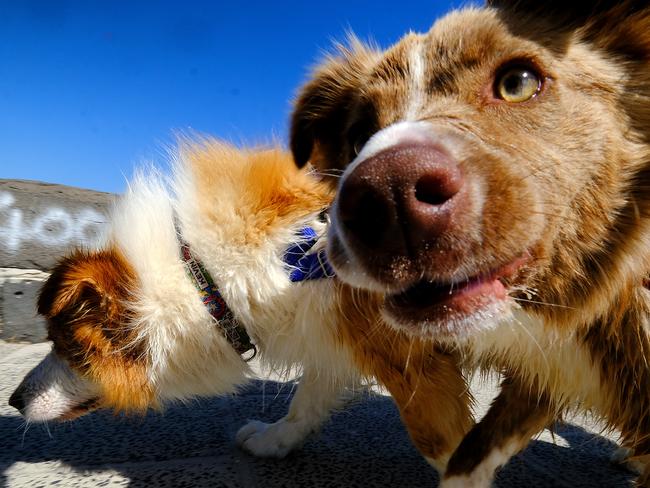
<point x="423" y="379"/>
<point x="85" y="301"/>
<point x="255" y="191"/>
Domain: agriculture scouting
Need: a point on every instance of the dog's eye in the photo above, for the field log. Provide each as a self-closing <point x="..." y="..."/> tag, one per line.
<point x="518" y="84"/>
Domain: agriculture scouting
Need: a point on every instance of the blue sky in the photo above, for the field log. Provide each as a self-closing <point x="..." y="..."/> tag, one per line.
<point x="90" y="89"/>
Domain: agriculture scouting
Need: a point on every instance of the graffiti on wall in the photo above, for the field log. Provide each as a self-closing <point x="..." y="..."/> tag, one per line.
<point x="52" y="227"/>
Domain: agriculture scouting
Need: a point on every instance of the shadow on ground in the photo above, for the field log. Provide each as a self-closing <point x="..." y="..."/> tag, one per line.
<point x="192" y="445"/>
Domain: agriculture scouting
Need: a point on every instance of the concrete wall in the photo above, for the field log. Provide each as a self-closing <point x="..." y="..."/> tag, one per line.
<point x="40" y="222"/>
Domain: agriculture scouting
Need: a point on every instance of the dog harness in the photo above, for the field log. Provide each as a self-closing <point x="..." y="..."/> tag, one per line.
<point x="301" y="264"/>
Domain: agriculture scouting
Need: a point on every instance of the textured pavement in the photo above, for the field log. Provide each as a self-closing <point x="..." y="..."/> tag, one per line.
<point x="192" y="445"/>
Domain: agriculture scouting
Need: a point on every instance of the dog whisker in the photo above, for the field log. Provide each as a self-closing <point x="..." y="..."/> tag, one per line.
<point x="543" y="303"/>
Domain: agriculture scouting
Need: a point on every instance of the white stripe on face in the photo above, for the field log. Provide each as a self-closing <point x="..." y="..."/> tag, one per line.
<point x="416" y="82"/>
<point x="398" y="133"/>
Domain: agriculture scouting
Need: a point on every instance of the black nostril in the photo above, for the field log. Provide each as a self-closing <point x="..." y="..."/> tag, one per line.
<point x="17" y="401"/>
<point x="364" y="212"/>
<point x="435" y="188"/>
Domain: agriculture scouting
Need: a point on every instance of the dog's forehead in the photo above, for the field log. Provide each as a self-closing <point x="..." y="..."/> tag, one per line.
<point x="464" y="38"/>
<point x="458" y="54"/>
<point x="467" y="35"/>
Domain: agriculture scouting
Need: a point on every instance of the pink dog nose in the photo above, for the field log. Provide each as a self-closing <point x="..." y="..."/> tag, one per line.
<point x="400" y="200"/>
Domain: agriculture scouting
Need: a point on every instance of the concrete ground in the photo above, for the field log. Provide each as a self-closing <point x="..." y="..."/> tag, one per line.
<point x="192" y="445"/>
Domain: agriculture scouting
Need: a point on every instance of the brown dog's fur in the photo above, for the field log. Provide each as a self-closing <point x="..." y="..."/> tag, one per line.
<point x="567" y="177"/>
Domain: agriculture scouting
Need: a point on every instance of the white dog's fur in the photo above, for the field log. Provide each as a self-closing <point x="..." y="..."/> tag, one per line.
<point x="292" y="324"/>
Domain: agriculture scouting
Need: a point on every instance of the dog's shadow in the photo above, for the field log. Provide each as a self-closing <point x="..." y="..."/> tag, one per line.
<point x="192" y="445"/>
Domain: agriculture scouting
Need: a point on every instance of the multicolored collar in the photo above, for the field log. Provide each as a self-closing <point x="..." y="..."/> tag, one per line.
<point x="301" y="266"/>
<point x="235" y="334"/>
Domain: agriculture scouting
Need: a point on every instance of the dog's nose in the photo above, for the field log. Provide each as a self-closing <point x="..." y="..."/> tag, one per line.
<point x="17" y="400"/>
<point x="401" y="199"/>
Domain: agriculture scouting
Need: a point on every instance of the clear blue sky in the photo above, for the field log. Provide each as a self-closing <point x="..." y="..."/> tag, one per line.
<point x="90" y="89"/>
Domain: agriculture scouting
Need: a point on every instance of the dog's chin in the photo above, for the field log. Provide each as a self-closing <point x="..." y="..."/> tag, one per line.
<point x="454" y="310"/>
<point x="36" y="412"/>
<point x="444" y="310"/>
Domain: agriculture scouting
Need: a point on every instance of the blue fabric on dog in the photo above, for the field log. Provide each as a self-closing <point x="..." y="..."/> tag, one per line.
<point x="304" y="265"/>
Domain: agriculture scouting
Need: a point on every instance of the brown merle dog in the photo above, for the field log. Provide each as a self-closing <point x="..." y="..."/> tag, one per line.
<point x="495" y="189"/>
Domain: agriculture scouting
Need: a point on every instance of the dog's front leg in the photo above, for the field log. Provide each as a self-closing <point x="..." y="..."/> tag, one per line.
<point x="316" y="396"/>
<point x="518" y="413"/>
<point x="431" y="394"/>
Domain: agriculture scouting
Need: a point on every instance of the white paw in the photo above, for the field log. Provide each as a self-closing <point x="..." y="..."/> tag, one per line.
<point x="482" y="475"/>
<point x="455" y="482"/>
<point x="270" y="440"/>
<point x="465" y="482"/>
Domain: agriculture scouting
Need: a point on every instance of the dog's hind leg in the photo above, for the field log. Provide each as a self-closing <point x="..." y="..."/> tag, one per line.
<point x="317" y="395"/>
<point x="517" y="414"/>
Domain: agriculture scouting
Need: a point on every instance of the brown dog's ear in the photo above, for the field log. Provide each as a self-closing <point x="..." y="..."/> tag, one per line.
<point x="322" y="105"/>
<point x="320" y="108"/>
<point x="570" y="15"/>
<point x="86" y="302"/>
<point x="583" y="10"/>
<point x="621" y="27"/>
<point x="84" y="279"/>
<point x="65" y="287"/>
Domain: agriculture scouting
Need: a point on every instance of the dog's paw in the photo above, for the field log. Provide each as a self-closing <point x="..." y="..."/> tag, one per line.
<point x="270" y="440"/>
<point x="439" y="463"/>
<point x="621" y="455"/>
<point x="454" y="482"/>
<point x="627" y="458"/>
<point x="480" y="477"/>
<point x="465" y="482"/>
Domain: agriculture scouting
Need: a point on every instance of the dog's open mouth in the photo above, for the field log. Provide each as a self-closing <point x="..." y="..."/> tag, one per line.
<point x="431" y="302"/>
<point x="80" y="409"/>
